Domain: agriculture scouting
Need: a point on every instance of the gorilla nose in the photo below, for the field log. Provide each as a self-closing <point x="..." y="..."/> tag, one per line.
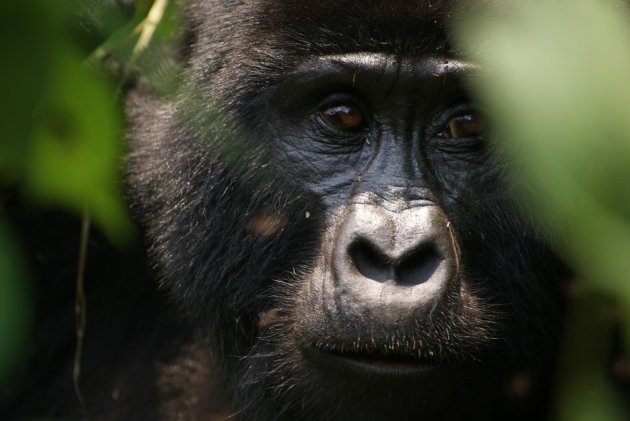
<point x="398" y="262"/>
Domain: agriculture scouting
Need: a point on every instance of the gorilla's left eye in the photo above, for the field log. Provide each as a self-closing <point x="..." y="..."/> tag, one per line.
<point x="345" y="117"/>
<point x="468" y="125"/>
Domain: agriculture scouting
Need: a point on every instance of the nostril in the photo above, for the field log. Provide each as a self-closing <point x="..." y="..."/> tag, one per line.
<point x="370" y="261"/>
<point x="417" y="266"/>
<point x="414" y="267"/>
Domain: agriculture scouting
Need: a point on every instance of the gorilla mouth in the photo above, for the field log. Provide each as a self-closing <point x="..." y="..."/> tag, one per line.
<point x="375" y="362"/>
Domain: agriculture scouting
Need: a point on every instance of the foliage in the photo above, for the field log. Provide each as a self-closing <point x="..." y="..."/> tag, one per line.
<point x="61" y="146"/>
<point x="556" y="81"/>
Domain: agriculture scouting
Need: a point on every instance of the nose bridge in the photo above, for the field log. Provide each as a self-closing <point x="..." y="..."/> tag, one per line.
<point x="395" y="173"/>
<point x="393" y="227"/>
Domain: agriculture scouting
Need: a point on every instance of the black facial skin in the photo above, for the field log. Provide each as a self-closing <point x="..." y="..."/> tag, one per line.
<point x="328" y="213"/>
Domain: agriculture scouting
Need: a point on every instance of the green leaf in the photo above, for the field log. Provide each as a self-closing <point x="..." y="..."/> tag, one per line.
<point x="555" y="77"/>
<point x="76" y="146"/>
<point x="559" y="89"/>
<point x="29" y="34"/>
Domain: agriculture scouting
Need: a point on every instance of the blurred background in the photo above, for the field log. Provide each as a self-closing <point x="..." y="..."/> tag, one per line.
<point x="557" y="85"/>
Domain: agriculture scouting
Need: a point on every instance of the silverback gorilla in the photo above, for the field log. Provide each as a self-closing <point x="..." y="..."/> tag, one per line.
<point x="332" y="228"/>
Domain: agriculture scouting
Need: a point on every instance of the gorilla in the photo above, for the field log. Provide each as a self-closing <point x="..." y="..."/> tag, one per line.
<point x="331" y="230"/>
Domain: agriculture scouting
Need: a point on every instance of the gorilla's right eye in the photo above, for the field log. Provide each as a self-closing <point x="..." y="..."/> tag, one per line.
<point x="344" y="117"/>
<point x="467" y="125"/>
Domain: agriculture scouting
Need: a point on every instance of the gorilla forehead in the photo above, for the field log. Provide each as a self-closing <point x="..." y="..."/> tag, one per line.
<point x="241" y="47"/>
<point x="334" y="26"/>
<point x="384" y="14"/>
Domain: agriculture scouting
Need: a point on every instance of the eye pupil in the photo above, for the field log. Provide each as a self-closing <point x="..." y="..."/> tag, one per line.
<point x="343" y="117"/>
<point x="463" y="126"/>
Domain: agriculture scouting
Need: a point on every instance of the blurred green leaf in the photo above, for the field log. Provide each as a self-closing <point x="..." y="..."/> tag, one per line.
<point x="29" y="33"/>
<point x="103" y="18"/>
<point x="559" y="88"/>
<point x="122" y="44"/>
<point x="62" y="142"/>
<point x="76" y="145"/>
<point x="555" y="76"/>
<point x="14" y="304"/>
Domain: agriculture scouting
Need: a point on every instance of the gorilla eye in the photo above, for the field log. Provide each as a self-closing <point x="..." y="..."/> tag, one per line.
<point x="465" y="126"/>
<point x="343" y="117"/>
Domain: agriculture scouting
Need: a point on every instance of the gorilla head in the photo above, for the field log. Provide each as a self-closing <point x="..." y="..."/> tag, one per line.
<point x="324" y="202"/>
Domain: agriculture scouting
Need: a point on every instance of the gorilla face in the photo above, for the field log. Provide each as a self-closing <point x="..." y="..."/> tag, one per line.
<point x="325" y="201"/>
<point x="387" y="145"/>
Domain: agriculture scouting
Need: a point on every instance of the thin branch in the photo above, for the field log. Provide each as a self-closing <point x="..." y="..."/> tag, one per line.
<point x="148" y="25"/>
<point x="80" y="309"/>
<point x="147" y="29"/>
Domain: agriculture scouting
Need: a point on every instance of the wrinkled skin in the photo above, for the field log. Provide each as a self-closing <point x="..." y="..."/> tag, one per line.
<point x="347" y="254"/>
<point x="331" y="222"/>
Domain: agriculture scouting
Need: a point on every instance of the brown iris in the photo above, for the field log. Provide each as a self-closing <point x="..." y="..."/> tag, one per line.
<point x="343" y="117"/>
<point x="465" y="126"/>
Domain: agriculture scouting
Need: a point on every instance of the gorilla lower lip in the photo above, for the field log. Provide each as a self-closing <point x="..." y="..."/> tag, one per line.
<point x="376" y="363"/>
